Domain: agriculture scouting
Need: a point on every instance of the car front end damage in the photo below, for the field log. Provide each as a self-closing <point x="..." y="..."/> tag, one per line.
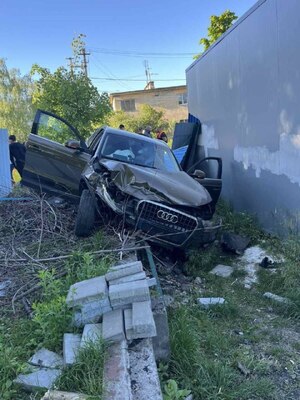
<point x="151" y="209"/>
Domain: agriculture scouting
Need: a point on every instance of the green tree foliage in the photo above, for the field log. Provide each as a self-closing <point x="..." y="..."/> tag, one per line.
<point x="147" y="116"/>
<point x="71" y="96"/>
<point x="16" y="110"/>
<point x="218" y="25"/>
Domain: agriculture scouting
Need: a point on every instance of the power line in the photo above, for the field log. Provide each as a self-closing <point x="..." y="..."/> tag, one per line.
<point x="136" y="80"/>
<point x="126" y="53"/>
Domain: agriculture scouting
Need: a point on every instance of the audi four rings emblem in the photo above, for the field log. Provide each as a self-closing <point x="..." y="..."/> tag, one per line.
<point x="167" y="216"/>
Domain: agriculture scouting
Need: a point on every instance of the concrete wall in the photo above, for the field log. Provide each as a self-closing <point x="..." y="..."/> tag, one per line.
<point x="246" y="92"/>
<point x="5" y="179"/>
<point x="164" y="98"/>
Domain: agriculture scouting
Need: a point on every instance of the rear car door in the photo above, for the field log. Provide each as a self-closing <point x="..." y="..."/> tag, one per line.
<point x="191" y="156"/>
<point x="55" y="157"/>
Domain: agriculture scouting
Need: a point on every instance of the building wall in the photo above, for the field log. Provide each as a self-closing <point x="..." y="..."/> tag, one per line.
<point x="167" y="100"/>
<point x="5" y="179"/>
<point x="245" y="91"/>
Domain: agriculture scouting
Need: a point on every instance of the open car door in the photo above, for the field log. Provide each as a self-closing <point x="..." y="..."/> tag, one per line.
<point x="191" y="156"/>
<point x="55" y="157"/>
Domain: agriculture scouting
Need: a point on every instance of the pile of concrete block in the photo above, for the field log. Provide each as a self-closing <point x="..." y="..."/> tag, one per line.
<point x="120" y="300"/>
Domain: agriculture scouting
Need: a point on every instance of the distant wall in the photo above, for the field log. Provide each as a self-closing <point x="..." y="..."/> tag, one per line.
<point x="5" y="179"/>
<point x="245" y="90"/>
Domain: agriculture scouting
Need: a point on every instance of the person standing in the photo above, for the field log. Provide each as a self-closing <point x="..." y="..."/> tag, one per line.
<point x="147" y="131"/>
<point x="17" y="153"/>
<point x="122" y="127"/>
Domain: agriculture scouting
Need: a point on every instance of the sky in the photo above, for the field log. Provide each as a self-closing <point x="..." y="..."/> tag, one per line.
<point x="166" y="33"/>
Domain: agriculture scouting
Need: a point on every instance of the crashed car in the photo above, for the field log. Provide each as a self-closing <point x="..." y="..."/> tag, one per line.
<point x="136" y="177"/>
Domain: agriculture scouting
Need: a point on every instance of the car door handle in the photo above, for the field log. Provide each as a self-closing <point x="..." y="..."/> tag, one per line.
<point x="34" y="146"/>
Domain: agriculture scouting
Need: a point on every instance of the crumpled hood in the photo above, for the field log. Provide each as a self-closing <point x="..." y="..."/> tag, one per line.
<point x="152" y="184"/>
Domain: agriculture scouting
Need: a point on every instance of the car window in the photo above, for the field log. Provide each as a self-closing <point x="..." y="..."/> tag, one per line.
<point x="54" y="129"/>
<point x="139" y="152"/>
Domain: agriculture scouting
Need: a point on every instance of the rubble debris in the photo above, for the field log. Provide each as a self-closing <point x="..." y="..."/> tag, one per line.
<point x="210" y="301"/>
<point x="47" y="359"/>
<point x="277" y="298"/>
<point x="234" y="243"/>
<point x="40" y="379"/>
<point x="161" y="342"/>
<point x="143" y="324"/>
<point x="113" y="326"/>
<point x="86" y="291"/>
<point x="58" y="395"/>
<point x="116" y="378"/>
<point x="91" y="334"/>
<point x="224" y="271"/>
<point x="71" y="347"/>
<point x="145" y="383"/>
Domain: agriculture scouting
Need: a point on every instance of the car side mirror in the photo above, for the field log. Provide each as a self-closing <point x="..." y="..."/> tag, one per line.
<point x="73" y="144"/>
<point x="198" y="173"/>
<point x="96" y="165"/>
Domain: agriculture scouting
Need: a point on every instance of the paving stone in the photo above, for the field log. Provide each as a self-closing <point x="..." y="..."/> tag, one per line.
<point x="143" y="324"/>
<point x="71" y="347"/>
<point x="40" y="379"/>
<point x="210" y="301"/>
<point x="129" y="278"/>
<point x="116" y="378"/>
<point x="113" y="326"/>
<point x="91" y="312"/>
<point x="58" y="395"/>
<point x="128" y="324"/>
<point x="46" y="358"/>
<point x="222" y="270"/>
<point x="124" y="270"/>
<point x="125" y="264"/>
<point x="86" y="291"/>
<point x="277" y="298"/>
<point x="151" y="282"/>
<point x="145" y="383"/>
<point x="123" y="307"/>
<point x="91" y="334"/>
<point x="130" y="292"/>
<point x="161" y="342"/>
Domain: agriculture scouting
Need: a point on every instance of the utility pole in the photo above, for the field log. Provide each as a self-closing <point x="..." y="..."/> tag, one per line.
<point x="147" y="71"/>
<point x="83" y="53"/>
<point x="71" y="65"/>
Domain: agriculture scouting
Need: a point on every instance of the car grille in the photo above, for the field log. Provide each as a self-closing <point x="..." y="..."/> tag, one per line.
<point x="166" y="217"/>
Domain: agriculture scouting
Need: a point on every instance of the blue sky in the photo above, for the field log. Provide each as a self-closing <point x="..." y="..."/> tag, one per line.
<point x="37" y="31"/>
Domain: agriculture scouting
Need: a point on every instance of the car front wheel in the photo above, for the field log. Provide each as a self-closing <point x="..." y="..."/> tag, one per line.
<point x="85" y="219"/>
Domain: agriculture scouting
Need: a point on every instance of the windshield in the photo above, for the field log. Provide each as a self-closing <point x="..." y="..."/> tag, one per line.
<point x="139" y="152"/>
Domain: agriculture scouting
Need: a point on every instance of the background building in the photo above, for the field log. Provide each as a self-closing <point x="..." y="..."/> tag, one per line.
<point x="172" y="100"/>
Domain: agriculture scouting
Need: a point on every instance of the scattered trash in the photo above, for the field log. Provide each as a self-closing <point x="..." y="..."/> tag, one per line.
<point x="234" y="243"/>
<point x="245" y="371"/>
<point x="210" y="301"/>
<point x="222" y="270"/>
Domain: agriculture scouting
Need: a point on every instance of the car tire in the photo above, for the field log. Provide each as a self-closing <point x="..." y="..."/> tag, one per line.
<point x="85" y="219"/>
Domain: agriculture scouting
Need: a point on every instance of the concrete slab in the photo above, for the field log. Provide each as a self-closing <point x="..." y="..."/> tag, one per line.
<point x="124" y="270"/>
<point x="210" y="301"/>
<point x="222" y="270"/>
<point x="130" y="292"/>
<point x="145" y="383"/>
<point x="86" y="291"/>
<point x="161" y="342"/>
<point x="91" y="334"/>
<point x="91" y="312"/>
<point x="46" y="358"/>
<point x="129" y="278"/>
<point x="125" y="264"/>
<point x="116" y="379"/>
<point x="143" y="324"/>
<point x="40" y="379"/>
<point x="71" y="347"/>
<point x="58" y="395"/>
<point x="128" y="324"/>
<point x="113" y="326"/>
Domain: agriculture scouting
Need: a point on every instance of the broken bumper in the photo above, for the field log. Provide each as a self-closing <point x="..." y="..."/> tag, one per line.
<point x="172" y="227"/>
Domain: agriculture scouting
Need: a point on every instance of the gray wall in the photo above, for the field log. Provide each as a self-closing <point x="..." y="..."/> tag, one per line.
<point x="246" y="92"/>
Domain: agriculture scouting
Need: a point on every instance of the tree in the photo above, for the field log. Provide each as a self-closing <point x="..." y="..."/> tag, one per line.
<point x="147" y="116"/>
<point x="218" y="25"/>
<point x="16" y="110"/>
<point x="71" y="94"/>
